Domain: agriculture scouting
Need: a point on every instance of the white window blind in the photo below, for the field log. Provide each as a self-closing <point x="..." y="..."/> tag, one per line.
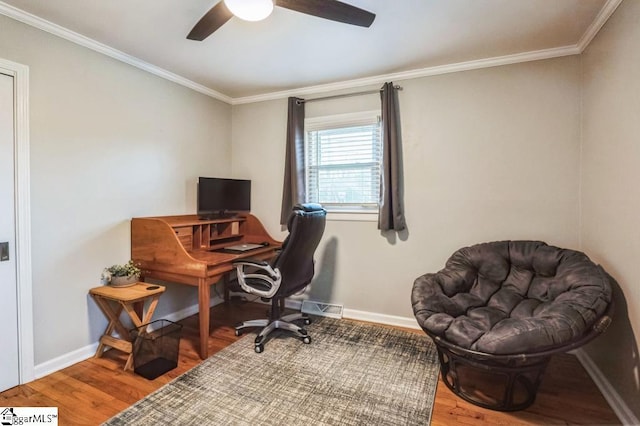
<point x="343" y="158"/>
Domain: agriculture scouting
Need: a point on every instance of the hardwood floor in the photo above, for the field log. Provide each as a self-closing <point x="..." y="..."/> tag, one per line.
<point x="91" y="391"/>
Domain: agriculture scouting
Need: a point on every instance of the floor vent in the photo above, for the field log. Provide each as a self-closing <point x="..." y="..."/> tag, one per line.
<point x="330" y="310"/>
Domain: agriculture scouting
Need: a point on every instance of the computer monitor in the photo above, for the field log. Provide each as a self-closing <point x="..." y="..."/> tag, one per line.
<point x="220" y="197"/>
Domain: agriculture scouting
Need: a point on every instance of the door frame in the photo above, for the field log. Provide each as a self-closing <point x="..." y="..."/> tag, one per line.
<point x="20" y="74"/>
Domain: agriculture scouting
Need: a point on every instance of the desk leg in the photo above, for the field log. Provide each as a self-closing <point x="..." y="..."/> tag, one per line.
<point x="225" y="280"/>
<point x="204" y="294"/>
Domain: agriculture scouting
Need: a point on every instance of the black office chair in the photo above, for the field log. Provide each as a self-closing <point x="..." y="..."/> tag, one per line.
<point x="290" y="272"/>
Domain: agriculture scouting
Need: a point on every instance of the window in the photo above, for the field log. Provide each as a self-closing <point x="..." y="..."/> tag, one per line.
<point x="343" y="156"/>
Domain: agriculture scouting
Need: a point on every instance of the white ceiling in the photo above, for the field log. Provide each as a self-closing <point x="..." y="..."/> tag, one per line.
<point x="290" y="50"/>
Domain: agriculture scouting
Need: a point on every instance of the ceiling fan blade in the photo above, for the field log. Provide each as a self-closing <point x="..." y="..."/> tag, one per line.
<point x="216" y="17"/>
<point x="330" y="9"/>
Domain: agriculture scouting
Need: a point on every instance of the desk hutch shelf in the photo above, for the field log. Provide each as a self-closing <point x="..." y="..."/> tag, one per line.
<point x="209" y="234"/>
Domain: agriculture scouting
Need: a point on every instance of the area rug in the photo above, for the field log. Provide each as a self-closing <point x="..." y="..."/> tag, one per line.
<point x="351" y="374"/>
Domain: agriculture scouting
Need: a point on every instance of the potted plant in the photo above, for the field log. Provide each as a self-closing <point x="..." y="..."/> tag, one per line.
<point x="121" y="275"/>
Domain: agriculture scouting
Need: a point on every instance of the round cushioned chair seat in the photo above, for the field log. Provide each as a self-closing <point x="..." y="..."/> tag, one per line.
<point x="512" y="297"/>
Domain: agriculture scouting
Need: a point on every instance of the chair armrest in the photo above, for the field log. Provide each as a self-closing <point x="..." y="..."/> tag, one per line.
<point x="272" y="280"/>
<point x="250" y="262"/>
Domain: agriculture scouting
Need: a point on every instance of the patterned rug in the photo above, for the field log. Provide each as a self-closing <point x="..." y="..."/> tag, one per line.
<point x="350" y="374"/>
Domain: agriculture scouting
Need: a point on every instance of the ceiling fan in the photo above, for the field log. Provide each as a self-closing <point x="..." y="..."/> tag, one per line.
<point x="255" y="10"/>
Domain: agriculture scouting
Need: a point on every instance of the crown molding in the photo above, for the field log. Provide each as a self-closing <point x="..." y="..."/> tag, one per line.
<point x="605" y="13"/>
<point x="603" y="16"/>
<point x="576" y="49"/>
<point x="417" y="73"/>
<point x="57" y="30"/>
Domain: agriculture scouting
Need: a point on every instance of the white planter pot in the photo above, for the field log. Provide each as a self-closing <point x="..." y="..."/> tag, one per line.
<point x="123" y="281"/>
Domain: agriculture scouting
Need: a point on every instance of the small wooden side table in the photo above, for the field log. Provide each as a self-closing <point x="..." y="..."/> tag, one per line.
<point x="112" y="301"/>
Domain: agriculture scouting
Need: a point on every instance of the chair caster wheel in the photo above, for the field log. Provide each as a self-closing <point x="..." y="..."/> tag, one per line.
<point x="238" y="333"/>
<point x="259" y="348"/>
<point x="307" y="321"/>
<point x="306" y="339"/>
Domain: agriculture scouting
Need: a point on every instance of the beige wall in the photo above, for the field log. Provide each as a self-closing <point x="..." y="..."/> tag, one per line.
<point x="108" y="142"/>
<point x="489" y="154"/>
<point x="611" y="187"/>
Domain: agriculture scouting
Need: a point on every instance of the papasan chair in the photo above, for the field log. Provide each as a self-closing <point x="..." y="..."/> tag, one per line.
<point x="498" y="311"/>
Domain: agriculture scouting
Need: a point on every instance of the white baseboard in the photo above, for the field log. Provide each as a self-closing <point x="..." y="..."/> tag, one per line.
<point x="618" y="405"/>
<point x="189" y="310"/>
<point x="382" y="318"/>
<point x="89" y="351"/>
<point x="367" y="316"/>
<point x="65" y="360"/>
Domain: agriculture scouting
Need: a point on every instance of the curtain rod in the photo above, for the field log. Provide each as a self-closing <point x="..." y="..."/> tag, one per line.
<point x="347" y="95"/>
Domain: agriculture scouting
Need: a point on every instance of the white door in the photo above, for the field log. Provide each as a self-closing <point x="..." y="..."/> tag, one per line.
<point x="9" y="365"/>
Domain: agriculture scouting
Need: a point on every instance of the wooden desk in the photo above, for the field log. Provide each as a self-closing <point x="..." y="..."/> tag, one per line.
<point x="124" y="298"/>
<point x="181" y="249"/>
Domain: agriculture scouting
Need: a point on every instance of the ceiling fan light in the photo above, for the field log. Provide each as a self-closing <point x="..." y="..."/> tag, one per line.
<point x="250" y="10"/>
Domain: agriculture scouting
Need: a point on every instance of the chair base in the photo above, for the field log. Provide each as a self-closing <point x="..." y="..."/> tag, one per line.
<point x="500" y="386"/>
<point x="283" y="323"/>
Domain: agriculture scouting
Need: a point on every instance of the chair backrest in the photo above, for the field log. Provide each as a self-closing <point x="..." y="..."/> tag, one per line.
<point x="295" y="261"/>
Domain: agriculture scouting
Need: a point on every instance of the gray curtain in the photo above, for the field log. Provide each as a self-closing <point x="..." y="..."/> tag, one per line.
<point x="391" y="214"/>
<point x="293" y="186"/>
